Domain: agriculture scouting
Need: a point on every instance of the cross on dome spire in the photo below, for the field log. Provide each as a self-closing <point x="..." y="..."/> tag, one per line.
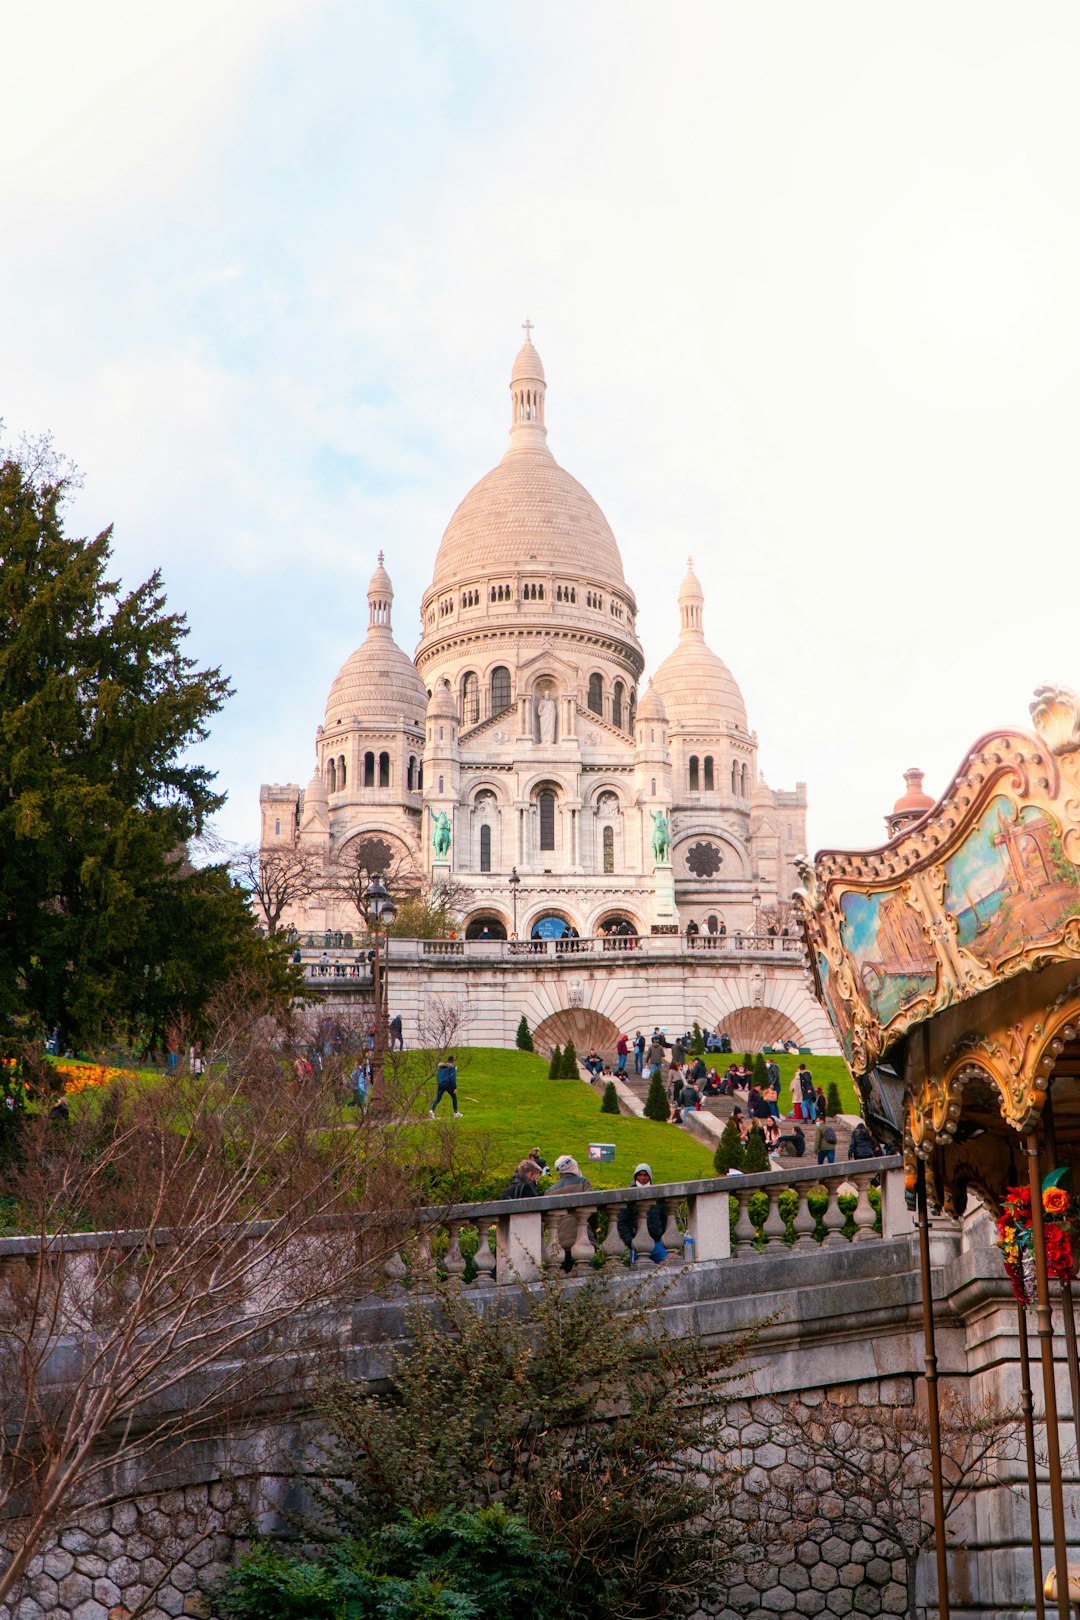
<point x="527" y="328"/>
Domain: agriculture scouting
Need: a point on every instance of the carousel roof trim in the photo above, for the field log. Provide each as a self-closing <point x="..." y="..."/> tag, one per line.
<point x="985" y="886"/>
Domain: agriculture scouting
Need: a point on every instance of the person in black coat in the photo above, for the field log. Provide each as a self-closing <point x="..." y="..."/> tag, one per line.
<point x="633" y="1230"/>
<point x="524" y="1184"/>
<point x="862" y="1144"/>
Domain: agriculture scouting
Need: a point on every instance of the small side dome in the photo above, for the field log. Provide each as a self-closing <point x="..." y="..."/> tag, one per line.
<point x="441" y="703"/>
<point x="651" y="706"/>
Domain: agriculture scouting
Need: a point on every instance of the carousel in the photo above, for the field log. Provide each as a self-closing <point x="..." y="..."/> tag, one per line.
<point x="949" y="963"/>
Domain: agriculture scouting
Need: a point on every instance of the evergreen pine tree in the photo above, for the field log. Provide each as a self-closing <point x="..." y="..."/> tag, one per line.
<point x="524" y="1038"/>
<point x="748" y="1060"/>
<point x="729" y="1153"/>
<point x="610" y="1103"/>
<point x="833" y="1105"/>
<point x="656" y="1103"/>
<point x="761" y="1073"/>
<point x="107" y="925"/>
<point x="697" y="1042"/>
<point x="755" y="1156"/>
<point x="555" y="1066"/>
<point x="570" y="1063"/>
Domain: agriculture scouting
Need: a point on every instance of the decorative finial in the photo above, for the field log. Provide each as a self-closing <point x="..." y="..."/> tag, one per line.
<point x="380" y="559"/>
<point x="527" y="328"/>
<point x="689" y="562"/>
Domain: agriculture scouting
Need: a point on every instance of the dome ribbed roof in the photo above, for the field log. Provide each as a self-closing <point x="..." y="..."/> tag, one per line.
<point x="528" y="513"/>
<point x="699" y="690"/>
<point x="378" y="684"/>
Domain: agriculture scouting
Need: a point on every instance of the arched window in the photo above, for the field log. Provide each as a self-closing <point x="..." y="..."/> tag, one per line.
<point x="596" y="694"/>
<point x="411" y="777"/>
<point x="712" y="923"/>
<point x="420" y="777"/>
<point x="277" y="828"/>
<point x="734" y="776"/>
<point x="609" y="849"/>
<point x="694" y="782"/>
<point x="485" y="849"/>
<point x="500" y="689"/>
<point x="384" y="770"/>
<point x="331" y="777"/>
<point x="617" y="704"/>
<point x="470" y="699"/>
<point x="369" y="770"/>
<point x="341" y="773"/>
<point x="547" y="819"/>
<point x="746" y="781"/>
<point x="709" y="781"/>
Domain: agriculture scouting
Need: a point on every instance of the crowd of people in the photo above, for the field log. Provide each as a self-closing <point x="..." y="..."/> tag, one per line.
<point x="640" y="1225"/>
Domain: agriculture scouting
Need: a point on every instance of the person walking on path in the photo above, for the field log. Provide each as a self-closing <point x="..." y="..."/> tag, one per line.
<point x="639" y="1053"/>
<point x="825" y="1142"/>
<point x="396" y="1037"/>
<point x="806" y="1087"/>
<point x="446" y="1082"/>
<point x="622" y="1046"/>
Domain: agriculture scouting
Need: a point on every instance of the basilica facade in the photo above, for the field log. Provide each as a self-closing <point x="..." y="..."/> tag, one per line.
<point x="516" y="753"/>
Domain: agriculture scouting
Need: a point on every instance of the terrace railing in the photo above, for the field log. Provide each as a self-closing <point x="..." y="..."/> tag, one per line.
<point x="343" y="950"/>
<point x="515" y="1241"/>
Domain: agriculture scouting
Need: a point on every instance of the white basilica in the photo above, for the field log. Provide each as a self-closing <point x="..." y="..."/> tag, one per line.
<point x="517" y="733"/>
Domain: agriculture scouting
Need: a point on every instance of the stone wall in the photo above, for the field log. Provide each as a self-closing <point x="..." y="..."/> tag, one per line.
<point x="843" y="1323"/>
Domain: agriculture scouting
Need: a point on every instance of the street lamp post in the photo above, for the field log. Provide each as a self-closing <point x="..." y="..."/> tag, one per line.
<point x="514" y="882"/>
<point x="381" y="913"/>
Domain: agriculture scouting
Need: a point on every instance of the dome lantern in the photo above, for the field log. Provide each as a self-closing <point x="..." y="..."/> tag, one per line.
<point x="691" y="604"/>
<point x="527" y="389"/>
<point x="380" y="597"/>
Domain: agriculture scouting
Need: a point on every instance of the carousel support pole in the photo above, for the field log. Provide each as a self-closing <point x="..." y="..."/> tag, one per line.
<point x="1027" y="1406"/>
<point x="932" y="1404"/>
<point x="1046" y="1352"/>
<point x="1072" y="1358"/>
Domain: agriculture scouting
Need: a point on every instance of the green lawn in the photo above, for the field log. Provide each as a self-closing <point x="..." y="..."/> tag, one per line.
<point x="508" y="1098"/>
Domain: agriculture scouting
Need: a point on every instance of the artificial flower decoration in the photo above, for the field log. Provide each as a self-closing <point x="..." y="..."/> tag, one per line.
<point x="1061" y="1234"/>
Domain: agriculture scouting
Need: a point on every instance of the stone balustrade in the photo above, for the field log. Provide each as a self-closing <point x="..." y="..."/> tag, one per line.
<point x="347" y="957"/>
<point x="517" y="1240"/>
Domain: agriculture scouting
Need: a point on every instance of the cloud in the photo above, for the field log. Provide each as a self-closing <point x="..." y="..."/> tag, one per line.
<point x="802" y="284"/>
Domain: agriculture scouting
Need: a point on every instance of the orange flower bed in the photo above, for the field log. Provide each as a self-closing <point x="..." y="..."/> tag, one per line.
<point x="81" y="1076"/>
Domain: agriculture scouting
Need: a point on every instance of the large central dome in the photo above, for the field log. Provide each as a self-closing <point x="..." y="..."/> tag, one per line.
<point x="528" y="513"/>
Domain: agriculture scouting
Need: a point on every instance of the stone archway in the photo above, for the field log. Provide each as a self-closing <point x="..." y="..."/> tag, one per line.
<point x="752" y="1028"/>
<point x="580" y="1025"/>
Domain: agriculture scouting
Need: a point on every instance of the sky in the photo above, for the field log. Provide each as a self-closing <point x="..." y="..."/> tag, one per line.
<point x="804" y="280"/>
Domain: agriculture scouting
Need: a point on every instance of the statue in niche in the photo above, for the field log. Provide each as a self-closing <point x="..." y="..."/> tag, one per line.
<point x="440" y="838"/>
<point x="545" y="715"/>
<point x="661" y="838"/>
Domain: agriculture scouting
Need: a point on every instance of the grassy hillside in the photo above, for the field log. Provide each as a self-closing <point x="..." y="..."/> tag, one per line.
<point x="507" y="1097"/>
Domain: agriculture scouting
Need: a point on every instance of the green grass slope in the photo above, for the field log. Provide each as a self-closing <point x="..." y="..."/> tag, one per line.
<point x="507" y="1097"/>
